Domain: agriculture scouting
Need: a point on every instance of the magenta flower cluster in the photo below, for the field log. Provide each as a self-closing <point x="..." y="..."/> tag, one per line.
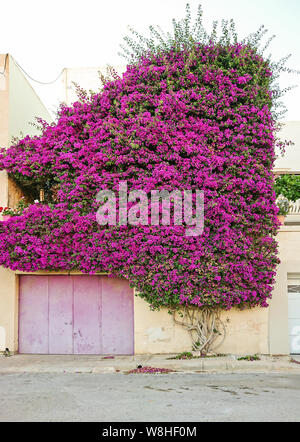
<point x="194" y="119"/>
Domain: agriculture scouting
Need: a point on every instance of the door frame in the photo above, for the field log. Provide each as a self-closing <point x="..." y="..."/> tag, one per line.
<point x="278" y="309"/>
<point x="293" y="279"/>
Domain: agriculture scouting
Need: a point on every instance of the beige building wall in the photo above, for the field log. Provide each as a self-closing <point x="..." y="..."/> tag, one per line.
<point x="19" y="105"/>
<point x="7" y="307"/>
<point x="247" y="332"/>
<point x="250" y="331"/>
<point x="87" y="78"/>
<point x="4" y="121"/>
<point x="155" y="332"/>
<point x="4" y="94"/>
<point x="24" y="104"/>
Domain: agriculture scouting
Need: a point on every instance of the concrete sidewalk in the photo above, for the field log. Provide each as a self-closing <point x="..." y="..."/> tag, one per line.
<point x="100" y="364"/>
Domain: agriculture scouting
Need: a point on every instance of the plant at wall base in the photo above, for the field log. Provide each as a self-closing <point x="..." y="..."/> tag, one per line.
<point x="189" y="355"/>
<point x="194" y="110"/>
<point x="184" y="355"/>
<point x="249" y="358"/>
<point x="7" y="353"/>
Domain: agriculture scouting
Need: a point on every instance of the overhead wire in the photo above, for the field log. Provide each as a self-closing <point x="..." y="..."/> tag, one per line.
<point x="5" y="62"/>
<point x="29" y="76"/>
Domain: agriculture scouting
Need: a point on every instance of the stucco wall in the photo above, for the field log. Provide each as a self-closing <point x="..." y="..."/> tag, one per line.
<point x="19" y="104"/>
<point x="87" y="78"/>
<point x="259" y="330"/>
<point x="7" y="307"/>
<point x="250" y="331"/>
<point x="8" y="310"/>
<point x="4" y="88"/>
<point x="4" y="121"/>
<point x="155" y="332"/>
<point x="22" y="108"/>
<point x="24" y="104"/>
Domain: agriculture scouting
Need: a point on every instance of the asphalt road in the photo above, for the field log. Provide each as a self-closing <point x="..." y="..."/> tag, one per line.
<point x="162" y="398"/>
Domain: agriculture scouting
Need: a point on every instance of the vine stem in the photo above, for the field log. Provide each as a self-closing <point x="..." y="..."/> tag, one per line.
<point x="204" y="326"/>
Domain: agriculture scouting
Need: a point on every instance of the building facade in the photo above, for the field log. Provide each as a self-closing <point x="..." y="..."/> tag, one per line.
<point x="19" y="106"/>
<point x="71" y="313"/>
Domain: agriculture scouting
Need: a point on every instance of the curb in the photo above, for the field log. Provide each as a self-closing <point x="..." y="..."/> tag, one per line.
<point x="20" y="364"/>
<point x="201" y="368"/>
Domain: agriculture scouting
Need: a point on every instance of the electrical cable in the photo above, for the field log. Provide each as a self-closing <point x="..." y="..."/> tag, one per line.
<point x="3" y="73"/>
<point x="37" y="81"/>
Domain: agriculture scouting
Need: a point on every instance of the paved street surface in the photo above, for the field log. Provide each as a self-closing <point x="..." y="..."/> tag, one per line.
<point x="172" y="397"/>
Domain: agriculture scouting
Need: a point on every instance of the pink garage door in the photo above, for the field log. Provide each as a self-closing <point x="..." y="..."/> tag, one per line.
<point x="75" y="315"/>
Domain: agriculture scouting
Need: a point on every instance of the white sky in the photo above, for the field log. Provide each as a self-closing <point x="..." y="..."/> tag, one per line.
<point x="46" y="36"/>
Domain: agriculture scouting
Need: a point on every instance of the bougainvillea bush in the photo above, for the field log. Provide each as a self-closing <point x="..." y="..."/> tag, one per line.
<point x="187" y="117"/>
